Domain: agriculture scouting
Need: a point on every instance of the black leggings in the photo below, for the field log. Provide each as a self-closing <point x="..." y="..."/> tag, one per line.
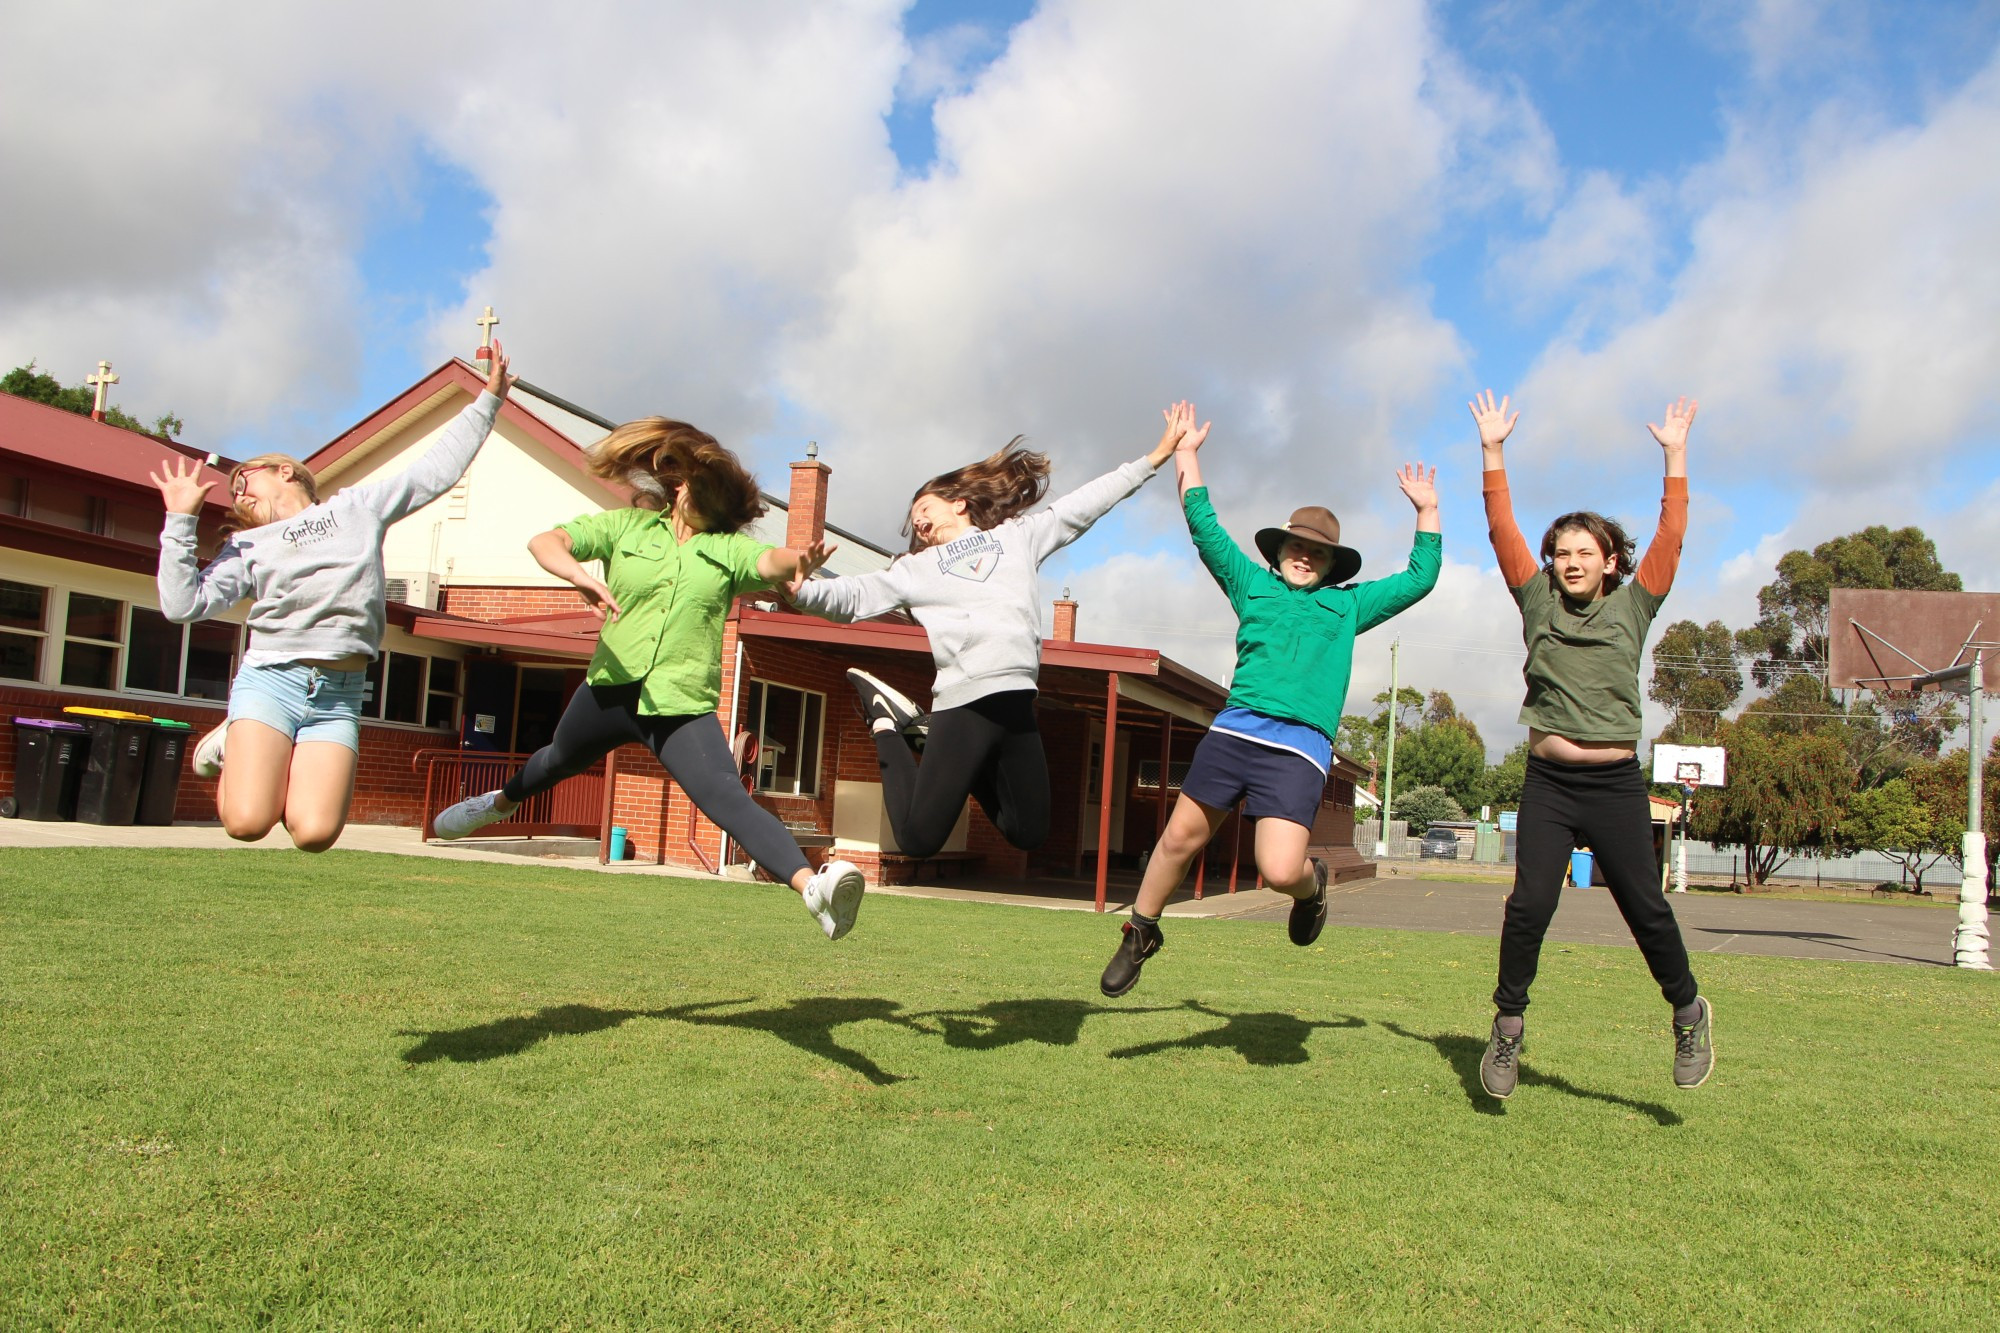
<point x="600" y="718"/>
<point x="990" y="750"/>
<point x="1603" y="807"/>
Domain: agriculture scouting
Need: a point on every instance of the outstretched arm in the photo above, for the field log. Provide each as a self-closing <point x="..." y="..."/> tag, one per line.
<point x="1663" y="553"/>
<point x="1071" y="515"/>
<point x="445" y="462"/>
<point x="1378" y="599"/>
<point x="853" y="596"/>
<point x="785" y="569"/>
<point x="1187" y="445"/>
<point x="1517" y="563"/>
<point x="187" y="590"/>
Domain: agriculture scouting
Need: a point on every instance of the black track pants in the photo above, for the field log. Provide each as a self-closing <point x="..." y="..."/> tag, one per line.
<point x="1602" y="807"/>
<point x="990" y="750"/>
<point x="600" y="718"/>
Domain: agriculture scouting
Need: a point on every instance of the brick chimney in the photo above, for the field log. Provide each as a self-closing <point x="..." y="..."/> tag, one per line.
<point x="1064" y="628"/>
<point x="805" y="520"/>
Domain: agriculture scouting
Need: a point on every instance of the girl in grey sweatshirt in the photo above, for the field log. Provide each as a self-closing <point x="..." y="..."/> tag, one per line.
<point x="971" y="579"/>
<point x="313" y="571"/>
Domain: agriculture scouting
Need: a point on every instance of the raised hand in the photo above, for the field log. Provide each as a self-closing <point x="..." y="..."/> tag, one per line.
<point x="499" y="381"/>
<point x="1419" y="484"/>
<point x="1680" y="416"/>
<point x="1495" y="425"/>
<point x="181" y="486"/>
<point x="810" y="560"/>
<point x="602" y="604"/>
<point x="1178" y="434"/>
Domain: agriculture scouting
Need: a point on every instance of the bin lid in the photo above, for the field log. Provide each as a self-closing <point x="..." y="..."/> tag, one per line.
<point x="53" y="724"/>
<point x="170" y="722"/>
<point x="118" y="713"/>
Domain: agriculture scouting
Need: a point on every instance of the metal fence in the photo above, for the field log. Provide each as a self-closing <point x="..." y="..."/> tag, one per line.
<point x="1703" y="859"/>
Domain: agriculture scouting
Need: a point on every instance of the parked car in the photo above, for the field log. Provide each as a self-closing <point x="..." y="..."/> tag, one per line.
<point x="1441" y="843"/>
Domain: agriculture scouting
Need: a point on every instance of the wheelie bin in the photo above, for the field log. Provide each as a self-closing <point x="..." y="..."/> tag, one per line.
<point x="118" y="744"/>
<point x="49" y="759"/>
<point x="161" y="784"/>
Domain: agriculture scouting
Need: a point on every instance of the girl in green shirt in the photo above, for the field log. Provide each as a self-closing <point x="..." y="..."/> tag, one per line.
<point x="673" y="564"/>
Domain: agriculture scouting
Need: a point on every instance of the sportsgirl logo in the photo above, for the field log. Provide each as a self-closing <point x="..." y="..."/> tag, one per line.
<point x="310" y="529"/>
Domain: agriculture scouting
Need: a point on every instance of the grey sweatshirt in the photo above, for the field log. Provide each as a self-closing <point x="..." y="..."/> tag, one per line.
<point x="979" y="596"/>
<point x="316" y="577"/>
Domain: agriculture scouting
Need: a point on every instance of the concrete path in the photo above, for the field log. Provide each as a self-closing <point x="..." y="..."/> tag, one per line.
<point x="1711" y="922"/>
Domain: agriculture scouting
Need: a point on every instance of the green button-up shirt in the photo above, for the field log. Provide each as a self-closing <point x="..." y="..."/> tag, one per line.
<point x="1295" y="646"/>
<point x="673" y="597"/>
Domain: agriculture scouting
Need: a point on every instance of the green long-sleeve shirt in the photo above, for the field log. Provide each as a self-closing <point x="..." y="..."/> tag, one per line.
<point x="1295" y="647"/>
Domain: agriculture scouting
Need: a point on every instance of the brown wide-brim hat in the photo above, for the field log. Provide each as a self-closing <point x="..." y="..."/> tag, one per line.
<point x="1315" y="523"/>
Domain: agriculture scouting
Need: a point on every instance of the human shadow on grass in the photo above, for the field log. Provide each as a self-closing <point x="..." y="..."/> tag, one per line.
<point x="806" y="1023"/>
<point x="1053" y="1022"/>
<point x="1269" y="1038"/>
<point x="1464" y="1053"/>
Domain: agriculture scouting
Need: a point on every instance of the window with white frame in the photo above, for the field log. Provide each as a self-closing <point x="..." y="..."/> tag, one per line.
<point x="93" y="632"/>
<point x="195" y="661"/>
<point x="412" y="688"/>
<point x="24" y="623"/>
<point x="788" y="725"/>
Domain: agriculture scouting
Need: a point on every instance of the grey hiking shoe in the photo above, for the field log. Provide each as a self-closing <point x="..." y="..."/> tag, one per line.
<point x="1139" y="943"/>
<point x="1694" y="1049"/>
<point x="1309" y="914"/>
<point x="1500" y="1067"/>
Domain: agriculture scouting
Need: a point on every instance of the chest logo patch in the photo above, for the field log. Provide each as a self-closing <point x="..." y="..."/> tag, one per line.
<point x="972" y="557"/>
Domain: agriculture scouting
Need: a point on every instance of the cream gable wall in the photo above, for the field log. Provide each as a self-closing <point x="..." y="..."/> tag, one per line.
<point x="477" y="535"/>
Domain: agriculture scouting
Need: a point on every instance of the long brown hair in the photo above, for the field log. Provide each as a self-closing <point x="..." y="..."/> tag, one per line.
<point x="656" y="456"/>
<point x="1607" y="533"/>
<point x="994" y="489"/>
<point x="239" y="511"/>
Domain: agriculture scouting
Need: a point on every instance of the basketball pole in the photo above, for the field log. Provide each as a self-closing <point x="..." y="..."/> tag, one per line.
<point x="1972" y="942"/>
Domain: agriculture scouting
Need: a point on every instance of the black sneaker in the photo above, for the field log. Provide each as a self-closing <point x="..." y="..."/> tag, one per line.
<point x="880" y="701"/>
<point x="1500" y="1067"/>
<point x="1694" y="1049"/>
<point x="1309" y="914"/>
<point x="1139" y="943"/>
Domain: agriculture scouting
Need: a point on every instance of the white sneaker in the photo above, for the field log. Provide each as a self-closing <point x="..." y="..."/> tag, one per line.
<point x="474" y="812"/>
<point x="882" y="703"/>
<point x="833" y="895"/>
<point x="208" y="753"/>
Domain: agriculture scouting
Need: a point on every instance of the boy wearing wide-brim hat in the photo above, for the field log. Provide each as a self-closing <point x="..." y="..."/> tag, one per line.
<point x="1272" y="744"/>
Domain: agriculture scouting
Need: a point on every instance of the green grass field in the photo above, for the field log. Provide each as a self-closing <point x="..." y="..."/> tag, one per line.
<point x="246" y="1087"/>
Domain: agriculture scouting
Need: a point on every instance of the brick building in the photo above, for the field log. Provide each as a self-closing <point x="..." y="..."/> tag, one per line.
<point x="484" y="648"/>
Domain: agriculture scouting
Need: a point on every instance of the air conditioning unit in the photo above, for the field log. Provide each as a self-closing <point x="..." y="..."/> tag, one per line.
<point x="413" y="589"/>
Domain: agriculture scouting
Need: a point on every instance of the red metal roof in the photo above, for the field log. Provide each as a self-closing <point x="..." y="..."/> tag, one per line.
<point x="93" y="448"/>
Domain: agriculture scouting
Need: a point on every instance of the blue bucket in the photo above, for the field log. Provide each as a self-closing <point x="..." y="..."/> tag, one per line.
<point x="1579" y="869"/>
<point x="617" y="843"/>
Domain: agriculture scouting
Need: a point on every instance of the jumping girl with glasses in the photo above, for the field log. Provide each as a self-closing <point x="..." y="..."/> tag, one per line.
<point x="313" y="571"/>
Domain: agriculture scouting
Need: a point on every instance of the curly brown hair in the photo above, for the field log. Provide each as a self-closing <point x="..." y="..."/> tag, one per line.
<point x="994" y="489"/>
<point x="656" y="456"/>
<point x="1607" y="533"/>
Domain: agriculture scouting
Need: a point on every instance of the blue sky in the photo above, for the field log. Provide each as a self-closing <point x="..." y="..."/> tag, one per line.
<point x="910" y="231"/>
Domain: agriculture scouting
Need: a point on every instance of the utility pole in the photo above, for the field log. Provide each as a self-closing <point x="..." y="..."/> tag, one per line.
<point x="1389" y="761"/>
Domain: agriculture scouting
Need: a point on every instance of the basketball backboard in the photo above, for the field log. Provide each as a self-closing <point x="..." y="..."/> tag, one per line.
<point x="1882" y="638"/>
<point x="1689" y="765"/>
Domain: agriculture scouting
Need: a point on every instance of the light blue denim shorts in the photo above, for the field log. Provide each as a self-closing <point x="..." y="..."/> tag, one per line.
<point x="303" y="702"/>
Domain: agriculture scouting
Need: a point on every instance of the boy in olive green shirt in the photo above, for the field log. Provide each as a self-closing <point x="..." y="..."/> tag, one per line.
<point x="1272" y="744"/>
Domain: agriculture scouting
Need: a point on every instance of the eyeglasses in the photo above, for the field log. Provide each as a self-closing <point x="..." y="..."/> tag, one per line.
<point x="238" y="483"/>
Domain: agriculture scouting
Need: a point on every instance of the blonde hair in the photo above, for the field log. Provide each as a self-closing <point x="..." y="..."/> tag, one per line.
<point x="656" y="456"/>
<point x="239" y="513"/>
<point x="994" y="489"/>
